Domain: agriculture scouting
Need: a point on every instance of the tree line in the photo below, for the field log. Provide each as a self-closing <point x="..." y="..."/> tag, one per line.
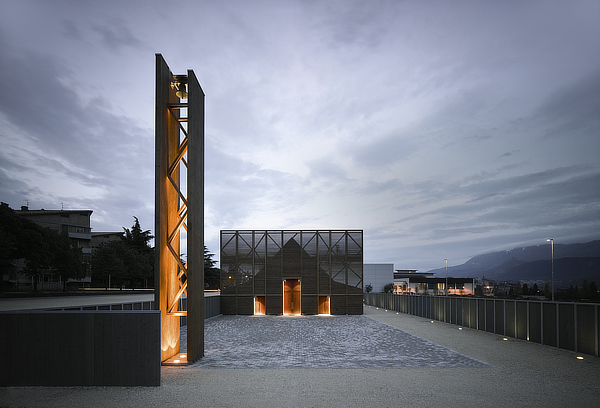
<point x="129" y="262"/>
<point x="126" y="262"/>
<point x="42" y="249"/>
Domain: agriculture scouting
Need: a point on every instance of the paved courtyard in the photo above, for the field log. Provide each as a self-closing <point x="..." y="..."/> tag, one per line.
<point x="318" y="342"/>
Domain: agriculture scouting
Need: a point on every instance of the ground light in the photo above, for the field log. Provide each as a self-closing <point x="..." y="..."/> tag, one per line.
<point x="177" y="360"/>
<point x="505" y="339"/>
<point x="579" y="358"/>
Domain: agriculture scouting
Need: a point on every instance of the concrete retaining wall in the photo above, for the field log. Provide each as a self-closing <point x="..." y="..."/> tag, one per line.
<point x="80" y="348"/>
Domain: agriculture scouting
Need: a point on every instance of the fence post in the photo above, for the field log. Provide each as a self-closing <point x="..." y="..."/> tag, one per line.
<point x="557" y="326"/>
<point x="504" y="317"/>
<point x="527" y="319"/>
<point x="596" y="330"/>
<point x="484" y="314"/>
<point x="542" y="322"/>
<point x="575" y="325"/>
<point x="477" y="313"/>
<point x="494" y="316"/>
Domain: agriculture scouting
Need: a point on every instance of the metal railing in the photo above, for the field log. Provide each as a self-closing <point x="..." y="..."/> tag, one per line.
<point x="212" y="307"/>
<point x="566" y="325"/>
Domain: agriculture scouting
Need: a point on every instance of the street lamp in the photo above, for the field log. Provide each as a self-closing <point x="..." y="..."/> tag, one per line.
<point x="446" y="276"/>
<point x="551" y="240"/>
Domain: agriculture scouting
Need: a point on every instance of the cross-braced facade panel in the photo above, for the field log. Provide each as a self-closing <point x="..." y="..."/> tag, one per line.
<point x="291" y="272"/>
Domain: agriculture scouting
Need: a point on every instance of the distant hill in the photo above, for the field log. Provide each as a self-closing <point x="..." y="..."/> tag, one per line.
<point x="567" y="271"/>
<point x="572" y="264"/>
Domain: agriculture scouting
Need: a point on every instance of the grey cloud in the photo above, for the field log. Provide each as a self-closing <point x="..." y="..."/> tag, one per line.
<point x="71" y="29"/>
<point x="59" y="123"/>
<point x="116" y="35"/>
<point x="573" y="111"/>
<point x="327" y="170"/>
<point x="538" y="200"/>
<point x="236" y="187"/>
<point x="383" y="152"/>
<point x="509" y="154"/>
<point x="354" y="23"/>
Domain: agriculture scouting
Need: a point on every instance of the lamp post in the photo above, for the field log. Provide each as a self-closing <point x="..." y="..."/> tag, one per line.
<point x="446" y="287"/>
<point x="551" y="240"/>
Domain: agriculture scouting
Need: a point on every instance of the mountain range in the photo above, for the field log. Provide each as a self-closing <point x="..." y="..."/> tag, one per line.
<point x="572" y="264"/>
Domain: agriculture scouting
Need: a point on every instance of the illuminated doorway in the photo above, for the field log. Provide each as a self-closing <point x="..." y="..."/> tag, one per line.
<point x="324" y="305"/>
<point x="259" y="305"/>
<point x="291" y="296"/>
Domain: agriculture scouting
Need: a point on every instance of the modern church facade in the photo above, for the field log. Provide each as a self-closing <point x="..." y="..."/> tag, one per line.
<point x="291" y="272"/>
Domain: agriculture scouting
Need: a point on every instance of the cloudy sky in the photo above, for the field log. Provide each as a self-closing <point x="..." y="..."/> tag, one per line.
<point x="443" y="129"/>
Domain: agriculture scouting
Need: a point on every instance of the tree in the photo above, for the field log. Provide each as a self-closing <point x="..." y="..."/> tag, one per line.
<point x="137" y="239"/>
<point x="593" y="294"/>
<point x="43" y="250"/>
<point x="479" y="291"/>
<point x="368" y="288"/>
<point x="388" y="288"/>
<point x="108" y="264"/>
<point x="127" y="262"/>
<point x="547" y="290"/>
<point x="8" y="238"/>
<point x="67" y="259"/>
<point x="212" y="275"/>
<point x="36" y="252"/>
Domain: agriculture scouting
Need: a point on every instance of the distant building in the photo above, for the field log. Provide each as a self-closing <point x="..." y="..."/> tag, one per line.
<point x="292" y="272"/>
<point x="409" y="281"/>
<point x="76" y="224"/>
<point x="378" y="275"/>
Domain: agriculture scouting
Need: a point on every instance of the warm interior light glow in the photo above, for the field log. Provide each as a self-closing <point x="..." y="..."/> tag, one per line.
<point x="259" y="306"/>
<point x="182" y="356"/>
<point x="177" y="361"/>
<point x="324" y="305"/>
<point x="292" y="297"/>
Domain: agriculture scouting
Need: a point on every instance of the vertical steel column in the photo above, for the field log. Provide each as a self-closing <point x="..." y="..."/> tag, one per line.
<point x="166" y="207"/>
<point x="195" y="220"/>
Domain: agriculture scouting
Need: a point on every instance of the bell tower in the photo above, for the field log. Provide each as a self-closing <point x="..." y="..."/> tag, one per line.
<point x="179" y="210"/>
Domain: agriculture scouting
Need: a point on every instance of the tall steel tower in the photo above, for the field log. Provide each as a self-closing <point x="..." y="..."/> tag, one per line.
<point x="179" y="209"/>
